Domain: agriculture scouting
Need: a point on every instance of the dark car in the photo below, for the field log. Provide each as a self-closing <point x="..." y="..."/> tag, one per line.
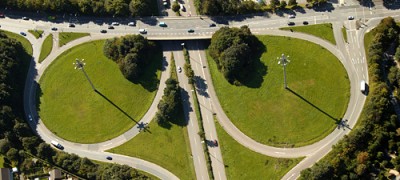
<point x="2" y="15"/>
<point x="290" y="23"/>
<point x="103" y="31"/>
<point x="212" y="25"/>
<point x="305" y="22"/>
<point x="215" y="143"/>
<point x="54" y="29"/>
<point x="109" y="158"/>
<point x="71" y="25"/>
<point x="110" y="27"/>
<point x="25" y="18"/>
<point x="191" y="31"/>
<point x="22" y="33"/>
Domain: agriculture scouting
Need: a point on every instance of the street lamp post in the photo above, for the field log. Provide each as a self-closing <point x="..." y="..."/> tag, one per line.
<point x="79" y="64"/>
<point x="283" y="60"/>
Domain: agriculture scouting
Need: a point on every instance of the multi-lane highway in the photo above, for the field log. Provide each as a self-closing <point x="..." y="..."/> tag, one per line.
<point x="351" y="55"/>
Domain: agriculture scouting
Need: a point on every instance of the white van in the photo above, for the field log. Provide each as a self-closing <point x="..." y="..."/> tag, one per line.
<point x="362" y="86"/>
<point x="57" y="145"/>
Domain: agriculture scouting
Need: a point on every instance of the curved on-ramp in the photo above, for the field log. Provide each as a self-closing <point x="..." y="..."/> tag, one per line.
<point x="351" y="114"/>
<point x="92" y="151"/>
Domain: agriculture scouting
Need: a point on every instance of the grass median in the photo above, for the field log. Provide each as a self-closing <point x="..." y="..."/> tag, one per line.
<point x="175" y="154"/>
<point x="323" y="31"/>
<point x="317" y="97"/>
<point x="25" y="43"/>
<point x="71" y="109"/>
<point x="66" y="37"/>
<point x="36" y="33"/>
<point x="243" y="163"/>
<point x="46" y="47"/>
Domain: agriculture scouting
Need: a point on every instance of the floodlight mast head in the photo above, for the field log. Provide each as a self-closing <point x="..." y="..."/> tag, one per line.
<point x="284" y="61"/>
<point x="79" y="64"/>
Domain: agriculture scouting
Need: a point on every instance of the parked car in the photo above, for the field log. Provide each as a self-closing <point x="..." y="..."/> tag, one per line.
<point x="131" y="24"/>
<point x="110" y="27"/>
<point x="115" y="23"/>
<point x="25" y="18"/>
<point x="30" y="118"/>
<point x="292" y="16"/>
<point x="22" y="33"/>
<point x="71" y="25"/>
<point x="54" y="29"/>
<point x="142" y="31"/>
<point x="191" y="31"/>
<point x="350" y="17"/>
<point x="103" y="31"/>
<point x="212" y="25"/>
<point x="290" y="23"/>
<point x="2" y="15"/>
<point x="305" y="22"/>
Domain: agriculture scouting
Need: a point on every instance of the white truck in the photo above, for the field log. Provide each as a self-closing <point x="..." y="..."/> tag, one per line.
<point x="362" y="86"/>
<point x="57" y="145"/>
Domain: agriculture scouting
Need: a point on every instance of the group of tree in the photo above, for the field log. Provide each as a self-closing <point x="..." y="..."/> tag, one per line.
<point x="131" y="53"/>
<point x="18" y="143"/>
<point x="170" y="104"/>
<point x="234" y="50"/>
<point x="223" y="7"/>
<point x="372" y="147"/>
<point x="91" y="7"/>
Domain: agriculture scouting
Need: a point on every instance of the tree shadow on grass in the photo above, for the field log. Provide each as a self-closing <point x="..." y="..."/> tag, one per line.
<point x="186" y="107"/>
<point x="149" y="79"/>
<point x="255" y="77"/>
<point x="337" y="120"/>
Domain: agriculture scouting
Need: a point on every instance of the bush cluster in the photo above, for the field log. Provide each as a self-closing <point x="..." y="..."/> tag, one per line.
<point x="234" y="50"/>
<point x="372" y="147"/>
<point x="130" y="53"/>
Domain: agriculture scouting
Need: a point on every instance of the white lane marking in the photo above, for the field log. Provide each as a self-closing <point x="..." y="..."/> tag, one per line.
<point x="107" y="144"/>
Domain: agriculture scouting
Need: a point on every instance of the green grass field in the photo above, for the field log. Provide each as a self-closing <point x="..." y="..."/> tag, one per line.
<point x="242" y="163"/>
<point x="46" y="47"/>
<point x="71" y="109"/>
<point x="323" y="31"/>
<point x="268" y="113"/>
<point x="36" y="33"/>
<point x="1" y="161"/>
<point x="344" y="34"/>
<point x="25" y="43"/>
<point x="66" y="37"/>
<point x="175" y="152"/>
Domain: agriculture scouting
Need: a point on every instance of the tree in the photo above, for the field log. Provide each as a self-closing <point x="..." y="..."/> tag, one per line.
<point x="4" y="146"/>
<point x="139" y="8"/>
<point x="283" y="4"/>
<point x="175" y="6"/>
<point x="292" y="3"/>
<point x="233" y="50"/>
<point x="12" y="154"/>
<point x="274" y="4"/>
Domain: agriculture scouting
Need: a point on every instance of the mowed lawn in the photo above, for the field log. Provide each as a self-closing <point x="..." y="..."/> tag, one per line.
<point x="169" y="148"/>
<point x="46" y="47"/>
<point x="243" y="163"/>
<point x="272" y="115"/>
<point x="36" y="33"/>
<point x="25" y="43"/>
<point x="1" y="161"/>
<point x="71" y="109"/>
<point x="66" y="37"/>
<point x="323" y="31"/>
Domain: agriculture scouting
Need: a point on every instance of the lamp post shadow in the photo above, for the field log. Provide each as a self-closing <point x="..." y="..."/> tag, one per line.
<point x="126" y="114"/>
<point x="311" y="104"/>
